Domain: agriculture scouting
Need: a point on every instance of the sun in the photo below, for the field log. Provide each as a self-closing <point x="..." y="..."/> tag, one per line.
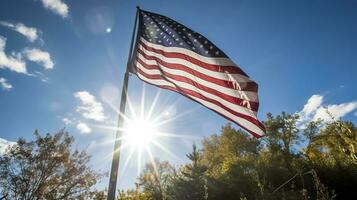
<point x="140" y="133"/>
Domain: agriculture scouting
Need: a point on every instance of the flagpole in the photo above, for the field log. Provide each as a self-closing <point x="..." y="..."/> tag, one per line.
<point x="116" y="152"/>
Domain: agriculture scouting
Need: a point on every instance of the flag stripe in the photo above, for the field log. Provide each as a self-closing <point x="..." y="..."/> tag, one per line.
<point x="234" y="92"/>
<point x="155" y="74"/>
<point x="216" y="64"/>
<point x="196" y="83"/>
<point x="179" y="62"/>
<point x="250" y="124"/>
<point x="222" y="79"/>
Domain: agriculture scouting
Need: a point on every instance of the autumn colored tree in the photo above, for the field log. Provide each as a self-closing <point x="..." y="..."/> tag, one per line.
<point x="46" y="168"/>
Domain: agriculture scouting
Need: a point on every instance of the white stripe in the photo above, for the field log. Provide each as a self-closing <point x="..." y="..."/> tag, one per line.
<point x="213" y="61"/>
<point x="243" y="122"/>
<point x="219" y="75"/>
<point x="244" y="95"/>
<point x="184" y="85"/>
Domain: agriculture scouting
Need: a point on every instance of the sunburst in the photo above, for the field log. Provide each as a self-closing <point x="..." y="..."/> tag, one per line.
<point x="142" y="131"/>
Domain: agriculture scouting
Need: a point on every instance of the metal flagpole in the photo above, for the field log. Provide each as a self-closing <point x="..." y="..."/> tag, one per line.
<point x="117" y="145"/>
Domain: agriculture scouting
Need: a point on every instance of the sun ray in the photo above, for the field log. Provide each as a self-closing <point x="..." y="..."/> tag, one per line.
<point x="131" y="108"/>
<point x="172" y="135"/>
<point x="166" y="150"/>
<point x="142" y="106"/>
<point x="152" y="107"/>
<point x="128" y="158"/>
<point x="152" y="159"/>
<point x="176" y="117"/>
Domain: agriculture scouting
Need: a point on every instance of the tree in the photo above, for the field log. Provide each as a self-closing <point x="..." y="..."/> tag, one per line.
<point x="155" y="179"/>
<point x="191" y="182"/>
<point x="46" y="168"/>
<point x="230" y="159"/>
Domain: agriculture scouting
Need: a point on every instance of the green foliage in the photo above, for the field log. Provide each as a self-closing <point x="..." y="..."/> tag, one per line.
<point x="46" y="168"/>
<point x="318" y="162"/>
<point x="190" y="182"/>
<point x="155" y="179"/>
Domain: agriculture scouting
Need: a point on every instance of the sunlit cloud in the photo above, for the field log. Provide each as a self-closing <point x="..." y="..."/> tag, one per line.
<point x="4" y="84"/>
<point x="83" y="128"/>
<point x="39" y="56"/>
<point x="90" y="108"/>
<point x="56" y="6"/>
<point x="12" y="62"/>
<point x="4" y="144"/>
<point x="30" y="33"/>
<point x="67" y="121"/>
<point x="315" y="110"/>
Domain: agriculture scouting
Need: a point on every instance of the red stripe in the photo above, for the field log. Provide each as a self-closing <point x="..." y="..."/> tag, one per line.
<point x="234" y="100"/>
<point x="246" y="86"/>
<point x="216" y="68"/>
<point x="185" y="91"/>
<point x="176" y="90"/>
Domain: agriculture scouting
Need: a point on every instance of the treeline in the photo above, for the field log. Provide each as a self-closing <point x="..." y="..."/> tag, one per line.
<point x="316" y="162"/>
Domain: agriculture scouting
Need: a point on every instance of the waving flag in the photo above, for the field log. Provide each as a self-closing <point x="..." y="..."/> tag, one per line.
<point x="171" y="56"/>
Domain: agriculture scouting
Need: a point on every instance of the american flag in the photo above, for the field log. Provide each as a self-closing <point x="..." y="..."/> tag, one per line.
<point x="171" y="56"/>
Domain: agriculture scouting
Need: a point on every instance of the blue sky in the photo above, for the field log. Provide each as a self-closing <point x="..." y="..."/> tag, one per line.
<point x="62" y="65"/>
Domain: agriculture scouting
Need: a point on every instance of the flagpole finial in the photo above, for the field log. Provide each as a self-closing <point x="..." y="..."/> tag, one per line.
<point x="138" y="7"/>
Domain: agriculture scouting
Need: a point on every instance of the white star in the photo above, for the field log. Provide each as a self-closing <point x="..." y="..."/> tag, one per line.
<point x="177" y="39"/>
<point x="195" y="40"/>
<point x="211" y="47"/>
<point x="217" y="52"/>
<point x="201" y="46"/>
<point x="170" y="43"/>
<point x="206" y="52"/>
<point x="181" y="43"/>
<point x="205" y="41"/>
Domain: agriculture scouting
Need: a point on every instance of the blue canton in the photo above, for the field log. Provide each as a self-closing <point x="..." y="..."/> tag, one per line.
<point x="164" y="31"/>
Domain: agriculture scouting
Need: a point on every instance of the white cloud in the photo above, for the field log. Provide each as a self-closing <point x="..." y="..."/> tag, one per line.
<point x="90" y="108"/>
<point x="314" y="110"/>
<point x="4" y="84"/>
<point x="56" y="6"/>
<point x="29" y="32"/>
<point x="336" y="110"/>
<point x="83" y="127"/>
<point x="312" y="104"/>
<point x="13" y="62"/>
<point x="39" y="56"/>
<point x="4" y="144"/>
<point x="67" y="121"/>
